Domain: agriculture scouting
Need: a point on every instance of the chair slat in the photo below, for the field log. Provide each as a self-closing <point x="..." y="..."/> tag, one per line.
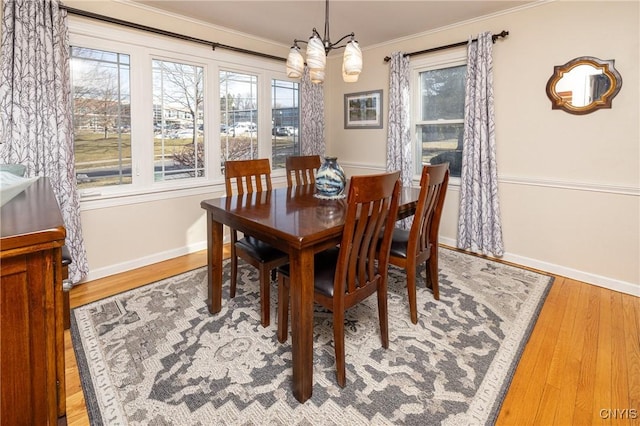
<point x="302" y="168"/>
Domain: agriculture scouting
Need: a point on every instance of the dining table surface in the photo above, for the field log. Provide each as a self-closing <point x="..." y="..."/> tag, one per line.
<point x="296" y="221"/>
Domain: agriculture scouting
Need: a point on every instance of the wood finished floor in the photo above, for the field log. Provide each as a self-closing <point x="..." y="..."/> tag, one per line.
<point x="581" y="365"/>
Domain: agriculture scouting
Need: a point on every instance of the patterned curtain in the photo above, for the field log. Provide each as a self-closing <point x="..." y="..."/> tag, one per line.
<point x="399" y="152"/>
<point x="479" y="226"/>
<point x="35" y="108"/>
<point x="312" y="116"/>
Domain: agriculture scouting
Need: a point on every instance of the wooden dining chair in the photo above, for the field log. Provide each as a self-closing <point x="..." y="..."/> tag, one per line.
<point x="410" y="248"/>
<point x="348" y="274"/>
<point x="244" y="177"/>
<point x="302" y="168"/>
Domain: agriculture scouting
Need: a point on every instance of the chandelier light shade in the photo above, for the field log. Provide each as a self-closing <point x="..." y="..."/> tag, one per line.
<point x="317" y="50"/>
<point x="352" y="59"/>
<point x="316" y="56"/>
<point x="295" y="63"/>
<point x="348" y="78"/>
<point x="316" y="76"/>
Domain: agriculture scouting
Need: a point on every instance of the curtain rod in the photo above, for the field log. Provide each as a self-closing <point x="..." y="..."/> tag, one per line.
<point x="128" y="24"/>
<point x="494" y="37"/>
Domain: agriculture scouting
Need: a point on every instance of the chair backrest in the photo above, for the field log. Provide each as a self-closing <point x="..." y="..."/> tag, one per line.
<point x="303" y="168"/>
<point x="426" y="222"/>
<point x="246" y="176"/>
<point x="372" y="205"/>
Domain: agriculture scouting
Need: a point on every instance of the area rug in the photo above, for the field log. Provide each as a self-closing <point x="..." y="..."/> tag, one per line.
<point x="155" y="356"/>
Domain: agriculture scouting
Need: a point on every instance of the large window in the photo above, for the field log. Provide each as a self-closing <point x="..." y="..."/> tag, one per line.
<point x="153" y="115"/>
<point x="440" y="113"/>
<point x="102" y="117"/>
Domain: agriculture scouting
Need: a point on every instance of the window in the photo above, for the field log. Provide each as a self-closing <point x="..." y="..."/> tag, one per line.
<point x="102" y="117"/>
<point x="146" y="118"/>
<point x="238" y="116"/>
<point x="440" y="112"/>
<point x="178" y="101"/>
<point x="285" y="121"/>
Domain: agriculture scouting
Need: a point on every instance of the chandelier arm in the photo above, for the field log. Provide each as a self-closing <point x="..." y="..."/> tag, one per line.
<point x="335" y="45"/>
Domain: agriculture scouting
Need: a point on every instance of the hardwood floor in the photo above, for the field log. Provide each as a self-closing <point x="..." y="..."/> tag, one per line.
<point x="581" y="365"/>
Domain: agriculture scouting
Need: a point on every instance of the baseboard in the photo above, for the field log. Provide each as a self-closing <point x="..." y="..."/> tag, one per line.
<point x="594" y="279"/>
<point x="143" y="261"/>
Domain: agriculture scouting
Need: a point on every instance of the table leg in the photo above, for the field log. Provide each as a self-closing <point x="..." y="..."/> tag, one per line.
<point x="301" y="293"/>
<point x="214" y="264"/>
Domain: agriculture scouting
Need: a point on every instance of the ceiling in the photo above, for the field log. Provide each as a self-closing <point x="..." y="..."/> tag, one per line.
<point x="373" y="22"/>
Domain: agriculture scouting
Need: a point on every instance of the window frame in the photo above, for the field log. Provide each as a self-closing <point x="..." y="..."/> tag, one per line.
<point x="438" y="60"/>
<point x="141" y="47"/>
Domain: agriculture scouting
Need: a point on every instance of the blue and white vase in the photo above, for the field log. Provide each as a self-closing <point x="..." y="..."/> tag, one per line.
<point x="330" y="179"/>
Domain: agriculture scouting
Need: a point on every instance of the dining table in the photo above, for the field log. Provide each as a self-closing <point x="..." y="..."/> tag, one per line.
<point x="296" y="221"/>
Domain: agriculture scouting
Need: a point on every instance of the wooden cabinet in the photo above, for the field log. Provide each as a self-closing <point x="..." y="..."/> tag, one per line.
<point x="32" y="386"/>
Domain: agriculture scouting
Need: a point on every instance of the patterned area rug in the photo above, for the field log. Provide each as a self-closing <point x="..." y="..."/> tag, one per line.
<point x="154" y="355"/>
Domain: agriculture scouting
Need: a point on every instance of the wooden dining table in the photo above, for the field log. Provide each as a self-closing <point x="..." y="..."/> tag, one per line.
<point x="295" y="221"/>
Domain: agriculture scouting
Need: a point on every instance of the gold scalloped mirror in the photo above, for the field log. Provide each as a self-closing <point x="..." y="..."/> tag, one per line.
<point x="583" y="85"/>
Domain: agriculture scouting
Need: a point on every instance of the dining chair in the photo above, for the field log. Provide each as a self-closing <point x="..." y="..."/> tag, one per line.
<point x="302" y="168"/>
<point x="245" y="177"/>
<point x="347" y="274"/>
<point x="409" y="248"/>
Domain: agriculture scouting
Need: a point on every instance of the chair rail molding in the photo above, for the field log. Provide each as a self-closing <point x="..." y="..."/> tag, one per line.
<point x="520" y="180"/>
<point x="571" y="185"/>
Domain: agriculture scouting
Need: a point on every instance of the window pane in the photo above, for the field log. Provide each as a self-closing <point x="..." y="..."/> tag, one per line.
<point x="441" y="143"/>
<point x="238" y="116"/>
<point x="178" y="113"/>
<point x="441" y="123"/>
<point x="442" y="93"/>
<point x="101" y="117"/>
<point x="285" y="121"/>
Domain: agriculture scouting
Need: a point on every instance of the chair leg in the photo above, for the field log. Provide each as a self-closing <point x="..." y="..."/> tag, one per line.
<point x="234" y="271"/>
<point x="411" y="290"/>
<point x="283" y="308"/>
<point x="265" y="296"/>
<point x="66" y="311"/>
<point x="234" y="263"/>
<point x="427" y="274"/>
<point x="338" y="341"/>
<point x="432" y="273"/>
<point x="383" y="315"/>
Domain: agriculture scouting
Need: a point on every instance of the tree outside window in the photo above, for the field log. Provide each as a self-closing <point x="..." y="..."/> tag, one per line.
<point x="178" y="102"/>
<point x="101" y="117"/>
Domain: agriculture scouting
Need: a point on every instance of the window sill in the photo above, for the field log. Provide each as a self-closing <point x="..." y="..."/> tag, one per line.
<point x="101" y="200"/>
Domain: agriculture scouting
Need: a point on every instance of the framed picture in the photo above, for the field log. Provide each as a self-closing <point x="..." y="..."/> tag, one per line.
<point x="363" y="110"/>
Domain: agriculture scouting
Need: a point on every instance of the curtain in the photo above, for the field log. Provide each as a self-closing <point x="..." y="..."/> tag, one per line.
<point x="312" y="116"/>
<point x="399" y="152"/>
<point x="35" y="108"/>
<point x="479" y="226"/>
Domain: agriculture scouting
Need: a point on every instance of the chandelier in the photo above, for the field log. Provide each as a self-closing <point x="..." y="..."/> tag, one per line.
<point x="317" y="51"/>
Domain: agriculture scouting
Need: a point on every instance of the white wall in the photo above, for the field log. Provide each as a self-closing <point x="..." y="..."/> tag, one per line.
<point x="569" y="185"/>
